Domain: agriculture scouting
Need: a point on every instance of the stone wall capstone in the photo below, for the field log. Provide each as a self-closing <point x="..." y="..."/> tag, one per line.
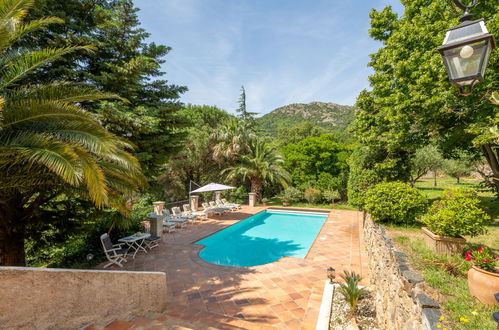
<point x="399" y="298"/>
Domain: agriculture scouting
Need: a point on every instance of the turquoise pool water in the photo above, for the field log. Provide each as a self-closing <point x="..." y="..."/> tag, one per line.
<point x="263" y="238"/>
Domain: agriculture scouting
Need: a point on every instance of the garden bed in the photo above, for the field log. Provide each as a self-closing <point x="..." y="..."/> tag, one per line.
<point x="365" y="314"/>
<point x="446" y="281"/>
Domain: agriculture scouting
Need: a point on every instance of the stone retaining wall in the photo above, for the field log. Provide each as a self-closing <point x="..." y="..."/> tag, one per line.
<point x="46" y="298"/>
<point x="399" y="299"/>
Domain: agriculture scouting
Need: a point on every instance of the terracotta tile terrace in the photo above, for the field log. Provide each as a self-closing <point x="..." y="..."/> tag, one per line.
<point x="285" y="294"/>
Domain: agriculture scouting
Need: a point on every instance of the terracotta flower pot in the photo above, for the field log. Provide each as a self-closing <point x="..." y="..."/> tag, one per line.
<point x="483" y="284"/>
<point x="443" y="244"/>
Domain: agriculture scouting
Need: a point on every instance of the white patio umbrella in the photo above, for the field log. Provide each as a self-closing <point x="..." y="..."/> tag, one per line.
<point x="212" y="187"/>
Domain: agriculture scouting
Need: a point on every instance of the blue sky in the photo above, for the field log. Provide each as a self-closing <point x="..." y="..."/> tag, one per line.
<point x="282" y="51"/>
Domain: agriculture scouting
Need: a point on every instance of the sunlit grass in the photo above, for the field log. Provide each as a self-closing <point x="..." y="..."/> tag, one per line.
<point x="448" y="276"/>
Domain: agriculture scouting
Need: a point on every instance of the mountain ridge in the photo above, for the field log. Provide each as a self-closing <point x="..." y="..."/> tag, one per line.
<point x="329" y="115"/>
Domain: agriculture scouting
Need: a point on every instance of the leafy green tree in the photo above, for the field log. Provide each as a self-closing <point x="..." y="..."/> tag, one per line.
<point x="122" y="63"/>
<point x="425" y="160"/>
<point x="195" y="162"/>
<point x="262" y="165"/>
<point x="48" y="143"/>
<point x="411" y="100"/>
<point x="463" y="164"/>
<point x="371" y="165"/>
<point x="296" y="133"/>
<point x="310" y="157"/>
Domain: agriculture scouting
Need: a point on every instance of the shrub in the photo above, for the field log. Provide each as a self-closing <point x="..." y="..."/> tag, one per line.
<point x="292" y="195"/>
<point x="313" y="195"/>
<point x="332" y="195"/>
<point x="328" y="182"/>
<point x="395" y="202"/>
<point x="358" y="184"/>
<point x="457" y="214"/>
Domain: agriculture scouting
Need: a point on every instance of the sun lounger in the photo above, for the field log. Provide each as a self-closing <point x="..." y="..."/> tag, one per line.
<point x="231" y="204"/>
<point x="222" y="205"/>
<point x="198" y="214"/>
<point x="214" y="205"/>
<point x="181" y="222"/>
<point x="178" y="214"/>
<point x="210" y="210"/>
<point x="168" y="225"/>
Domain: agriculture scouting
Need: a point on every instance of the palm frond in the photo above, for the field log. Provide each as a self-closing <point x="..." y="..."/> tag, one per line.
<point x="63" y="92"/>
<point x="25" y="63"/>
<point x="35" y="25"/>
<point x="16" y="9"/>
<point x="31" y="148"/>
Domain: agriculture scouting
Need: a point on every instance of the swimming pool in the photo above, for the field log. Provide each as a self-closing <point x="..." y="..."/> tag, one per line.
<point x="263" y="238"/>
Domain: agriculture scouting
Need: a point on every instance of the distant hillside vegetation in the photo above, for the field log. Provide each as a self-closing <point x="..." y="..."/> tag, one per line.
<point x="331" y="116"/>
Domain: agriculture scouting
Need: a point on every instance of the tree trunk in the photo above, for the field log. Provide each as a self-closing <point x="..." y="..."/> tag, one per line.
<point x="434" y="178"/>
<point x="458" y="179"/>
<point x="257" y="188"/>
<point x="492" y="159"/>
<point x="12" y="246"/>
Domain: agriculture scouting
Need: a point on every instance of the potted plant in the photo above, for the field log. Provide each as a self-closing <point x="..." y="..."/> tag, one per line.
<point x="265" y="201"/>
<point x="483" y="277"/>
<point x="456" y="215"/>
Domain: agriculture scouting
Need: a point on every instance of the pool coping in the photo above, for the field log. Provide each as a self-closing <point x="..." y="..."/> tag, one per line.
<point x="196" y="258"/>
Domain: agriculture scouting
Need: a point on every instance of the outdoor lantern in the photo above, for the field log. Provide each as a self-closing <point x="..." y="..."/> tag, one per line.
<point x="331" y="274"/>
<point x="466" y="50"/>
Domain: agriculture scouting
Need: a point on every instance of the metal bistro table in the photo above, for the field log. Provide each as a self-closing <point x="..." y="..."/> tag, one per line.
<point x="135" y="242"/>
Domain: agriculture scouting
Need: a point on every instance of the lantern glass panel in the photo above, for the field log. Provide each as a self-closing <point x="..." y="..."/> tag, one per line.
<point x="464" y="61"/>
<point x="486" y="59"/>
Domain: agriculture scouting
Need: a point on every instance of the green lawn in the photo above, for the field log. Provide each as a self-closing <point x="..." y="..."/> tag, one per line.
<point x="340" y="206"/>
<point x="447" y="276"/>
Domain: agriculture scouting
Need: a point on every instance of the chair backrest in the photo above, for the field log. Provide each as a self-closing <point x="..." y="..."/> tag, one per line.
<point x="166" y="212"/>
<point x="224" y="201"/>
<point x="176" y="210"/>
<point x="106" y="242"/>
<point x="212" y="204"/>
<point x="205" y="205"/>
<point x="187" y="208"/>
<point x="219" y="202"/>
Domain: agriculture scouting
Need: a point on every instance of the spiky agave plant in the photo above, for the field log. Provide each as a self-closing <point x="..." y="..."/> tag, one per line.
<point x="48" y="143"/>
<point x="350" y="290"/>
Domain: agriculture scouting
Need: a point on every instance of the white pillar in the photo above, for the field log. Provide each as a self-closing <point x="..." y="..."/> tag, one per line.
<point x="194" y="200"/>
<point x="218" y="195"/>
<point x="252" y="199"/>
<point x="157" y="223"/>
<point x="158" y="207"/>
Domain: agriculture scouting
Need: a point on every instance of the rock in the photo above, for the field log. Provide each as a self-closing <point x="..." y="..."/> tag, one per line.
<point x="426" y="302"/>
<point x="431" y="317"/>
<point x="412" y="277"/>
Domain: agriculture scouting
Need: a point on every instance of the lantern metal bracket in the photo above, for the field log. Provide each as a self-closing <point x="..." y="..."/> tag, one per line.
<point x="466" y="16"/>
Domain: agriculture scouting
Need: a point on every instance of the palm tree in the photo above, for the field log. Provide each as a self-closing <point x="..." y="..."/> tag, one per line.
<point x="48" y="143"/>
<point x="262" y="164"/>
<point x="232" y="139"/>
